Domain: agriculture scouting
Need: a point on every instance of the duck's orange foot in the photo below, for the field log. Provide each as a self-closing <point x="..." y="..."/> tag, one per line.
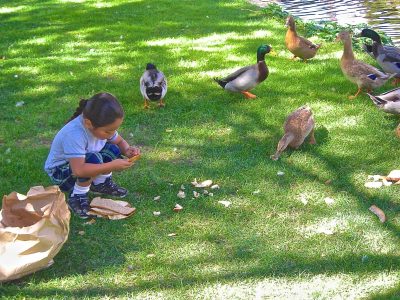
<point x="161" y="104"/>
<point x="249" y="95"/>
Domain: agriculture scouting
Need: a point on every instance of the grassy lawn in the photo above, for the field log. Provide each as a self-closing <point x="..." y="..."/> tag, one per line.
<point x="268" y="243"/>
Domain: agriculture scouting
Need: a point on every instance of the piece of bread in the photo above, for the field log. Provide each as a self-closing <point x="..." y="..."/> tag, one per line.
<point x="111" y="205"/>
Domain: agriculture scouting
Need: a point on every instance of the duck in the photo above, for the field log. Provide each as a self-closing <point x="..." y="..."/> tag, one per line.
<point x="298" y="125"/>
<point x="364" y="75"/>
<point x="388" y="102"/>
<point x="247" y="78"/>
<point x="388" y="57"/>
<point x="153" y="85"/>
<point x="298" y="45"/>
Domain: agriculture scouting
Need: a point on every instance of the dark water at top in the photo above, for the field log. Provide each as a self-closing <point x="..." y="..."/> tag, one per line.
<point x="382" y="15"/>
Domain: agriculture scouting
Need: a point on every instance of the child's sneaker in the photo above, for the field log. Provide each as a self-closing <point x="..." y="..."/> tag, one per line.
<point x="110" y="188"/>
<point x="79" y="204"/>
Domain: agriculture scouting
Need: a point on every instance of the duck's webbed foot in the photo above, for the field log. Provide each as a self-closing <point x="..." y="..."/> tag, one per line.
<point x="358" y="92"/>
<point x="248" y="95"/>
<point x="161" y="103"/>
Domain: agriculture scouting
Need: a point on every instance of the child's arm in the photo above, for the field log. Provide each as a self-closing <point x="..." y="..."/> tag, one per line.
<point x="126" y="150"/>
<point x="82" y="169"/>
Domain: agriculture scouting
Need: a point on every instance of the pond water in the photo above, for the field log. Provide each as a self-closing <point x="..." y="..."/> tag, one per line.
<point x="379" y="14"/>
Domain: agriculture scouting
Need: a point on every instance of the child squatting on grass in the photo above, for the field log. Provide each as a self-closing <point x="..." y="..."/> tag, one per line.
<point x="87" y="149"/>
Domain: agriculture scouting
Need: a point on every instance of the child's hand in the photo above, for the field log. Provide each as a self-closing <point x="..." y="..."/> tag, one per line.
<point x="132" y="151"/>
<point x="121" y="164"/>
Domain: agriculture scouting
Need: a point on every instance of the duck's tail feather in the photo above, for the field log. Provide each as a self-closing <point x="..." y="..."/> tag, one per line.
<point x="377" y="100"/>
<point x="220" y="82"/>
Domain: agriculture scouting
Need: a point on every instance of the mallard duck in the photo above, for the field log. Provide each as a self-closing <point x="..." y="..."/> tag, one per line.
<point x="388" y="57"/>
<point x="298" y="45"/>
<point x="248" y="77"/>
<point x="298" y="125"/>
<point x="364" y="75"/>
<point x="153" y="85"/>
<point x="388" y="102"/>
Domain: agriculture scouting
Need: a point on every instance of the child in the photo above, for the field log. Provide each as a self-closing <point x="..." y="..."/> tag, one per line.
<point x="87" y="149"/>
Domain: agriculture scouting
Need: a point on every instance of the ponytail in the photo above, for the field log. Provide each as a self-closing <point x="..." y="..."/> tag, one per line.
<point x="101" y="109"/>
<point x="79" y="109"/>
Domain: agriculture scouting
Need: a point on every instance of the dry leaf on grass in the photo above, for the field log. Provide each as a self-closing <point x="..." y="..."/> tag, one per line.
<point x="81" y="232"/>
<point x="172" y="234"/>
<point x="90" y="222"/>
<point x="378" y="212"/>
<point x="181" y="194"/>
<point x="156" y="198"/>
<point x="156" y="213"/>
<point x="196" y="194"/>
<point x="178" y="207"/>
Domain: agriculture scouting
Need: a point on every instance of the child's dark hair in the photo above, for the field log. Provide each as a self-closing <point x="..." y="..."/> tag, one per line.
<point x="101" y="109"/>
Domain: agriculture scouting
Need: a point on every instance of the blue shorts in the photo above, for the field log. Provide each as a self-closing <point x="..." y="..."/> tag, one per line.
<point x="63" y="177"/>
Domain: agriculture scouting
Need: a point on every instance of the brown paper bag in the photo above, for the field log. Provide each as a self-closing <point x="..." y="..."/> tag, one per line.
<point x="33" y="229"/>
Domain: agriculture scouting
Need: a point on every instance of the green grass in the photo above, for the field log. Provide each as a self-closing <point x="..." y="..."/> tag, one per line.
<point x="266" y="244"/>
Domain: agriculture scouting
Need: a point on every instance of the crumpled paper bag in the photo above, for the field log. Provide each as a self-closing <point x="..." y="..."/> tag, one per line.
<point x="33" y="229"/>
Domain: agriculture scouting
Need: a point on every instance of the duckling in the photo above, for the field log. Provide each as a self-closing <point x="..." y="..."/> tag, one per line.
<point x="388" y="102"/>
<point x="298" y="45"/>
<point x="153" y="85"/>
<point x="298" y="125"/>
<point x="388" y="57"/>
<point x="246" y="78"/>
<point x="362" y="74"/>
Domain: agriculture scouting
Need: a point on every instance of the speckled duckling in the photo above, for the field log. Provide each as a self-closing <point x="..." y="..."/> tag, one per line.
<point x="298" y="125"/>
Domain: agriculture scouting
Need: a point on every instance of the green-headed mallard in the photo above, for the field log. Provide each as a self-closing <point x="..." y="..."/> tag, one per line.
<point x="388" y="57"/>
<point x="153" y="85"/>
<point x="298" y="125"/>
<point x="388" y="102"/>
<point x="298" y="45"/>
<point x="246" y="78"/>
<point x="364" y="75"/>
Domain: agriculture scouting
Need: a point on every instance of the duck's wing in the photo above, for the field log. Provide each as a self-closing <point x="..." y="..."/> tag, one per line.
<point x="392" y="54"/>
<point x="237" y="73"/>
<point x="307" y="44"/>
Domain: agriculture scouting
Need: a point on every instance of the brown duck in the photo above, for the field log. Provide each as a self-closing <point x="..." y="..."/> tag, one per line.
<point x="298" y="125"/>
<point x="298" y="45"/>
<point x="364" y="75"/>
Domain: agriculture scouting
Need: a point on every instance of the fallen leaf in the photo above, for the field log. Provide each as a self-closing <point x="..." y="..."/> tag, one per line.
<point x="280" y="173"/>
<point x="182" y="187"/>
<point x="172" y="234"/>
<point x="196" y="194"/>
<point x="156" y="198"/>
<point x="150" y="255"/>
<point x="256" y="192"/>
<point x="225" y="203"/>
<point x="214" y="187"/>
<point x="168" y="130"/>
<point x="178" y="207"/>
<point x="19" y="103"/>
<point x="329" y="181"/>
<point x="211" y="194"/>
<point x="378" y="212"/>
<point x="373" y="184"/>
<point x="156" y="213"/>
<point x="181" y="194"/>
<point x="81" y="232"/>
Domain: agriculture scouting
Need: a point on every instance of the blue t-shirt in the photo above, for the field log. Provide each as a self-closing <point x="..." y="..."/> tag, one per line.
<point x="73" y="140"/>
